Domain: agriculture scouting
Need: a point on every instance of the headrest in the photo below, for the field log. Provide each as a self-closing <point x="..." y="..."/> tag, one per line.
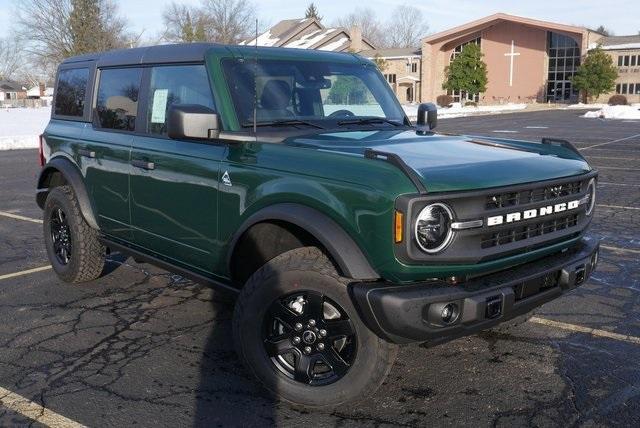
<point x="276" y="95"/>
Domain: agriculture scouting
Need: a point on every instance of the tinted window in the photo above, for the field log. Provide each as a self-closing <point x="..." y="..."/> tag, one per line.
<point x="117" y="103"/>
<point x="188" y="84"/>
<point x="70" y="94"/>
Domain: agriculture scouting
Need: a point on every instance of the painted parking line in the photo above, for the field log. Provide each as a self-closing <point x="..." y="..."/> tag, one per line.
<point x="617" y="207"/>
<point x="24" y="272"/>
<point x="36" y="412"/>
<point x="610" y="142"/>
<point x="619" y="250"/>
<point x="19" y="217"/>
<point x="505" y="131"/>
<point x="615" y="167"/>
<point x="588" y="330"/>
<point x="617" y="184"/>
<point x="536" y="127"/>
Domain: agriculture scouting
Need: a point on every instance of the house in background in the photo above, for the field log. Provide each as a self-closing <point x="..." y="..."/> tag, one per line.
<point x="39" y="91"/>
<point x="625" y="52"/>
<point x="309" y="33"/>
<point x="11" y="91"/>
<point x="402" y="69"/>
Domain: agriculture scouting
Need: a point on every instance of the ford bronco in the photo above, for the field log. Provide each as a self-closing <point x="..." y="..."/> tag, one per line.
<point x="295" y="180"/>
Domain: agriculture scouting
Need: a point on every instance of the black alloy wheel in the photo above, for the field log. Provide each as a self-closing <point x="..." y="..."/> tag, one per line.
<point x="61" y="236"/>
<point x="309" y="338"/>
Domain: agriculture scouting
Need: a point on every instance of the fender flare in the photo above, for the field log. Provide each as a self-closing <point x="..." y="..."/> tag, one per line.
<point x="341" y="247"/>
<point x="72" y="175"/>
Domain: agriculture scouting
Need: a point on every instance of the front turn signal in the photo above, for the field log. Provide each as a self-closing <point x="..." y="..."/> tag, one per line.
<point x="398" y="227"/>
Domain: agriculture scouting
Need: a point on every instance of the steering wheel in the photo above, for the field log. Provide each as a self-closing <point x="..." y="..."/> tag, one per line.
<point x="342" y="113"/>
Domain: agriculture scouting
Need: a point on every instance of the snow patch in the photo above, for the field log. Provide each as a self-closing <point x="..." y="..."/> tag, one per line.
<point x="457" y="110"/>
<point x="264" y="39"/>
<point x="335" y="45"/>
<point x="580" y="106"/>
<point x="622" y="46"/>
<point x="616" y="112"/>
<point x="21" y="127"/>
<point x="310" y="39"/>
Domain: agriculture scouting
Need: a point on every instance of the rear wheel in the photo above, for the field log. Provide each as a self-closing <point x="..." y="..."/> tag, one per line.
<point x="74" y="250"/>
<point x="297" y="330"/>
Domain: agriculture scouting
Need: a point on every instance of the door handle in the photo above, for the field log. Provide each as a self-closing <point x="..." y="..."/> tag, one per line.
<point x="143" y="164"/>
<point x="87" y="153"/>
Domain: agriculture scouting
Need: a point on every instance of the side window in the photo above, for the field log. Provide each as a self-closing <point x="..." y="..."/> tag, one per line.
<point x="71" y="91"/>
<point x="184" y="84"/>
<point x="117" y="103"/>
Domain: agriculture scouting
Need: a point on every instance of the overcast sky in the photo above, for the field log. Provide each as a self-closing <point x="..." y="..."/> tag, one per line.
<point x="622" y="16"/>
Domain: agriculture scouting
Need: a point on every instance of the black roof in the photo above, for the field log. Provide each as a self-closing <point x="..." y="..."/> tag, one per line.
<point x="186" y="52"/>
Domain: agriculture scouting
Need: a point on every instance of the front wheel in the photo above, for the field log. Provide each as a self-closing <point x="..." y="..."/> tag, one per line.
<point x="297" y="330"/>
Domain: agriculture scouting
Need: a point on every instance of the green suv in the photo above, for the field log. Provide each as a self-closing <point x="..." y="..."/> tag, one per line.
<point x="294" y="180"/>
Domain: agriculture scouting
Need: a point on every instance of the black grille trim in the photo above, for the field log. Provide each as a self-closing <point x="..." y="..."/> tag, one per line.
<point x="528" y="231"/>
<point x="539" y="194"/>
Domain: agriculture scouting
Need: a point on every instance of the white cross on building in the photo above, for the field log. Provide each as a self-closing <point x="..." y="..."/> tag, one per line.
<point x="511" y="54"/>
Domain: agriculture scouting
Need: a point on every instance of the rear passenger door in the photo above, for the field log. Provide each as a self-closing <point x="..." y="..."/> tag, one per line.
<point x="174" y="184"/>
<point x="108" y="148"/>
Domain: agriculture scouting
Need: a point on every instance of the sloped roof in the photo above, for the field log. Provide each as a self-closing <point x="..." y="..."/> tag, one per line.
<point x="7" y="85"/>
<point x="392" y="53"/>
<point x="620" y="42"/>
<point x="306" y="33"/>
<point x="487" y="21"/>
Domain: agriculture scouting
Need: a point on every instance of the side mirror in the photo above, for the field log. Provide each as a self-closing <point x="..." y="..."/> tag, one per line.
<point x="192" y="121"/>
<point x="427" y="116"/>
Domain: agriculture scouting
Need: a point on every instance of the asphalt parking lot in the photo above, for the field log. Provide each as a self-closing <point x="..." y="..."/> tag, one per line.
<point x="143" y="347"/>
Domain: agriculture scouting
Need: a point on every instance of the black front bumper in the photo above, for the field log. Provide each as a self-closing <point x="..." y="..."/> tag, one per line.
<point x="413" y="313"/>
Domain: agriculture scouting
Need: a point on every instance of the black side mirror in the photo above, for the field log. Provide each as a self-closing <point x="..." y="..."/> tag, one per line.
<point x="192" y="121"/>
<point x="427" y="116"/>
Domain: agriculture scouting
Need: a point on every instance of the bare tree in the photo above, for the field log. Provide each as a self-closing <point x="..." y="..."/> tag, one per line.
<point x="10" y="57"/>
<point x="367" y="21"/>
<point x="229" y="21"/>
<point x="185" y="24"/>
<point x="48" y="29"/>
<point x="406" y="27"/>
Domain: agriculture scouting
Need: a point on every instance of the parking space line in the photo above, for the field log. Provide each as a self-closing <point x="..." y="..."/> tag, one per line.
<point x="616" y="167"/>
<point x="619" y="250"/>
<point x="610" y="142"/>
<point x="34" y="411"/>
<point x="618" y="184"/>
<point x="588" y="330"/>
<point x="618" y="207"/>
<point x="19" y="217"/>
<point x="24" y="272"/>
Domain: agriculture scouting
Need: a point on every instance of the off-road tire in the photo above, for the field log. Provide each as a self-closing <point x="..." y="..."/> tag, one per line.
<point x="87" y="253"/>
<point x="306" y="269"/>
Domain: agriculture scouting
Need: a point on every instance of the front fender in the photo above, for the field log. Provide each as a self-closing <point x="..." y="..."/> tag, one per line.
<point x="73" y="177"/>
<point x="342" y="248"/>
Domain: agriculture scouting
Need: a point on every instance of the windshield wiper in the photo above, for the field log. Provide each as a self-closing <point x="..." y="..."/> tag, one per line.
<point x="368" y="120"/>
<point x="283" y="122"/>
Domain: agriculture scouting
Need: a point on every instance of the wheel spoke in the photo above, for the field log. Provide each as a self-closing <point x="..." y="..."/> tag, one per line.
<point x="335" y="361"/>
<point x="283" y="314"/>
<point x="278" y="345"/>
<point x="60" y="219"/>
<point x="304" y="368"/>
<point x="339" y="328"/>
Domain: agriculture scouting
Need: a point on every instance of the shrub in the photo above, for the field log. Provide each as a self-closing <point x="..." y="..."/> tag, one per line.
<point x="618" y="100"/>
<point x="471" y="104"/>
<point x="444" y="100"/>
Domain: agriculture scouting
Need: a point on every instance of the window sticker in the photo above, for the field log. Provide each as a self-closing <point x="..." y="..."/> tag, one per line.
<point x="159" y="109"/>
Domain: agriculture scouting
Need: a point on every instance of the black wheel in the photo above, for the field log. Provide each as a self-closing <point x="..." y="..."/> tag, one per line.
<point x="297" y="330"/>
<point x="74" y="250"/>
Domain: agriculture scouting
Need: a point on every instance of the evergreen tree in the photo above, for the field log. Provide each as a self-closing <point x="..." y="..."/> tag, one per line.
<point x="85" y="26"/>
<point x="597" y="75"/>
<point x="312" y="12"/>
<point x="467" y="73"/>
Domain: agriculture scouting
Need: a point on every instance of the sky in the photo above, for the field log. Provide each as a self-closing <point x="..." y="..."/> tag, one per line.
<point x="621" y="16"/>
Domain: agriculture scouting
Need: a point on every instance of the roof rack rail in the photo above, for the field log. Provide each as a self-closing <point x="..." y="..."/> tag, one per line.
<point x="397" y="161"/>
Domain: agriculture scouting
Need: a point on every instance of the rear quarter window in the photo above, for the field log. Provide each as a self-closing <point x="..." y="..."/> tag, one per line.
<point x="117" y="103"/>
<point x="71" y="92"/>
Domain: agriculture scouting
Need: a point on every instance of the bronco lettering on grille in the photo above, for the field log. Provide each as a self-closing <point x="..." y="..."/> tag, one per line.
<point x="532" y="213"/>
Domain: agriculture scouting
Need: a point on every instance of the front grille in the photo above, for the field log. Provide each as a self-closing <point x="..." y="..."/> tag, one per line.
<point x="520" y="233"/>
<point x="540" y="194"/>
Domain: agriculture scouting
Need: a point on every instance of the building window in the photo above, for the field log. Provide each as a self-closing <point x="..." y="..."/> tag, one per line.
<point x="564" y="59"/>
<point x="633" y="61"/>
<point x="626" y="60"/>
<point x="637" y="88"/>
<point x="620" y="60"/>
<point x="391" y="78"/>
<point x="459" y="96"/>
<point x="414" y="67"/>
<point x="618" y="88"/>
<point x="624" y="88"/>
<point x="631" y="88"/>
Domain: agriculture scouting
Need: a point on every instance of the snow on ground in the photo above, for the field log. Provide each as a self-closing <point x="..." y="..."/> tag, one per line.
<point x="457" y="110"/>
<point x="20" y="127"/>
<point x="616" y="112"/>
<point x="580" y="106"/>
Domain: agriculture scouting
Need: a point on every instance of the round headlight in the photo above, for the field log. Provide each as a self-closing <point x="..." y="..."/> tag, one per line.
<point x="591" y="196"/>
<point x="433" y="228"/>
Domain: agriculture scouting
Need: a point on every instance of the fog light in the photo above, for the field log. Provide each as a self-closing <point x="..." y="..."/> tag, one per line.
<point x="450" y="313"/>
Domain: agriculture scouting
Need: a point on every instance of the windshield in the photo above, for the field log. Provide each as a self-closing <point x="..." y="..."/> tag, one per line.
<point x="316" y="94"/>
